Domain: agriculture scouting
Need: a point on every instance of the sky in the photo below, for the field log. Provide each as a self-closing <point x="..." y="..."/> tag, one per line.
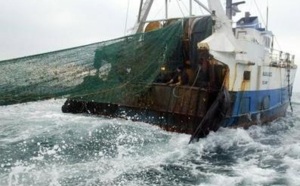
<point x="30" y="27"/>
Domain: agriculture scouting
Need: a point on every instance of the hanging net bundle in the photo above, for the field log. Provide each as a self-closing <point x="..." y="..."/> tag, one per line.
<point x="106" y="72"/>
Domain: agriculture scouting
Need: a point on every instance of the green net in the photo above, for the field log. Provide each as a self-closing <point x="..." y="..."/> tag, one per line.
<point x="108" y="72"/>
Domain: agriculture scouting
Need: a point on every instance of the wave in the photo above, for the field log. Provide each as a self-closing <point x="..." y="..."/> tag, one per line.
<point x="39" y="145"/>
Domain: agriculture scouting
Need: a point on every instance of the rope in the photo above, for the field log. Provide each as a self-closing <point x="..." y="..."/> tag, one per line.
<point x="195" y="80"/>
<point x="199" y="68"/>
<point x="199" y="129"/>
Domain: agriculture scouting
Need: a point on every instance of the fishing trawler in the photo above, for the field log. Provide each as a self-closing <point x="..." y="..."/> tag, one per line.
<point x="234" y="76"/>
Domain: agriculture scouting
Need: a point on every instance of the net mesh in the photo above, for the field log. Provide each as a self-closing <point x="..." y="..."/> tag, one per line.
<point x="104" y="72"/>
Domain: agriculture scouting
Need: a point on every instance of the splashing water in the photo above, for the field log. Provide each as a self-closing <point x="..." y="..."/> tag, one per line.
<point x="39" y="145"/>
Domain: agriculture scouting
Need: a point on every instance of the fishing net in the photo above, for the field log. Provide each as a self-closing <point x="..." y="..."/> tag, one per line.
<point x="109" y="71"/>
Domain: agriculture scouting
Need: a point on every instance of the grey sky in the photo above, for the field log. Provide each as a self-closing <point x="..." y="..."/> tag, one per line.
<point x="36" y="26"/>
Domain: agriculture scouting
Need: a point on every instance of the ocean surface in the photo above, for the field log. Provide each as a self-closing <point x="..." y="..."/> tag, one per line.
<point x="40" y="145"/>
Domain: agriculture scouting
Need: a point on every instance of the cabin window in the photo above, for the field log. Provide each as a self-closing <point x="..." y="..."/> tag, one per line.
<point x="247" y="75"/>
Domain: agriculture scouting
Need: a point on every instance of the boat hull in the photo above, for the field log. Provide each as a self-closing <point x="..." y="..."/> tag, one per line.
<point x="185" y="113"/>
<point x="261" y="117"/>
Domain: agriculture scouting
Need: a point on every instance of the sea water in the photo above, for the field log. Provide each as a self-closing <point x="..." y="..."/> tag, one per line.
<point x="40" y="145"/>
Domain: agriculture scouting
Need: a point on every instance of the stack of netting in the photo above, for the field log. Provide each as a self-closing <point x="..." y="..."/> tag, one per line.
<point x="107" y="71"/>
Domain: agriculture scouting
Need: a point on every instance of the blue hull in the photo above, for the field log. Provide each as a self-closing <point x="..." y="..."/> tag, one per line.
<point x="252" y="107"/>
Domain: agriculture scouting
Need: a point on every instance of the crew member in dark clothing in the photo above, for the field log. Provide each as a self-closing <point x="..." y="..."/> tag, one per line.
<point x="203" y="78"/>
<point x="206" y="77"/>
<point x="180" y="77"/>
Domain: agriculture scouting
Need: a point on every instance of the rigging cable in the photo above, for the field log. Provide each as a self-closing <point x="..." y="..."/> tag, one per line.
<point x="180" y="8"/>
<point x="184" y="6"/>
<point x="201" y="10"/>
<point x="277" y="43"/>
<point x="262" y="18"/>
<point x="158" y="11"/>
<point x="128" y="4"/>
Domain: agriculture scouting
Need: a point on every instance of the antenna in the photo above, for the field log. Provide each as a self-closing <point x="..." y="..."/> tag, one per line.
<point x="267" y="21"/>
<point x="232" y="8"/>
<point x="229" y="8"/>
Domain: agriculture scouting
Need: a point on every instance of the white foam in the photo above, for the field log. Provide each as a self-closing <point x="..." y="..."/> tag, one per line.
<point x="140" y="147"/>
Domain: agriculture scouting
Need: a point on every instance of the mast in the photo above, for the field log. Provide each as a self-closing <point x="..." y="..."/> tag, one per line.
<point x="229" y="9"/>
<point x="140" y="9"/>
<point x="191" y="7"/>
<point x="142" y="16"/>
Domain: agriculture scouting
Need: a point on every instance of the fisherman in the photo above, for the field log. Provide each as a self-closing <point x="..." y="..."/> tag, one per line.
<point x="180" y="77"/>
<point x="206" y="74"/>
